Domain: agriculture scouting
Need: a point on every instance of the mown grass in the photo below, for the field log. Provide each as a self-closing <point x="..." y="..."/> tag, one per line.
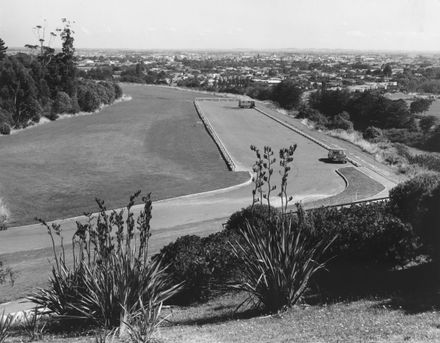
<point x="155" y="141"/>
<point x="356" y="321"/>
<point x="365" y="320"/>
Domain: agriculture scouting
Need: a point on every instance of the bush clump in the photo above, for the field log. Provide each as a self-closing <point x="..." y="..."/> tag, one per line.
<point x="416" y="201"/>
<point x="203" y="265"/>
<point x="5" y="129"/>
<point x="253" y="215"/>
<point x="62" y="103"/>
<point x="368" y="235"/>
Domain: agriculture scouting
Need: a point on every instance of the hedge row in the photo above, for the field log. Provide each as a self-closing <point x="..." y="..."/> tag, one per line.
<point x="368" y="236"/>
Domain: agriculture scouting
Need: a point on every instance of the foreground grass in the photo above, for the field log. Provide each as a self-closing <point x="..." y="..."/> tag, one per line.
<point x="356" y="321"/>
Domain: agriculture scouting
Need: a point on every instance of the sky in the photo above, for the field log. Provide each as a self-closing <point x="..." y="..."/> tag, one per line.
<point x="403" y="25"/>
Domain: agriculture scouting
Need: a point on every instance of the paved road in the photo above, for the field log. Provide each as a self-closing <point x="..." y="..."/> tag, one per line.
<point x="205" y="212"/>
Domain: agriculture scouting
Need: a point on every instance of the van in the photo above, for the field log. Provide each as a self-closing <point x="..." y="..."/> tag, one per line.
<point x="246" y="103"/>
<point x="337" y="155"/>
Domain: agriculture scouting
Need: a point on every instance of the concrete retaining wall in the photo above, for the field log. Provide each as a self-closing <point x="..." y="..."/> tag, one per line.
<point x="223" y="151"/>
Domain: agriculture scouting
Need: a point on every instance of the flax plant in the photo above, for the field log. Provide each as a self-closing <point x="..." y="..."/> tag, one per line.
<point x="279" y="256"/>
<point x="111" y="274"/>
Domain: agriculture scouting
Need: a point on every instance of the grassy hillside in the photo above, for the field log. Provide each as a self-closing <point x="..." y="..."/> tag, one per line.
<point x="155" y="142"/>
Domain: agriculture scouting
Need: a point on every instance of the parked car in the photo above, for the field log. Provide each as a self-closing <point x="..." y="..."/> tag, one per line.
<point x="246" y="103"/>
<point x="337" y="155"/>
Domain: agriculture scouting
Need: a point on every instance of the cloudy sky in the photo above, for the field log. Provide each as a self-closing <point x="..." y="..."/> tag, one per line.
<point x="230" y="24"/>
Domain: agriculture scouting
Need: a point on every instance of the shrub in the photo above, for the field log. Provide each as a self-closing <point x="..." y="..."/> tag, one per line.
<point x="367" y="235"/>
<point x="426" y="123"/>
<point x="254" y="215"/>
<point x="321" y="121"/>
<point x="427" y="161"/>
<point x="341" y="121"/>
<point x="5" y="129"/>
<point x="62" y="103"/>
<point x="430" y="229"/>
<point x="278" y="260"/>
<point x="433" y="141"/>
<point x="111" y="276"/>
<point x="118" y="90"/>
<point x="6" y="322"/>
<point x="287" y="94"/>
<point x="406" y="198"/>
<point x="75" y="105"/>
<point x="372" y="133"/>
<point x="6" y="274"/>
<point x="88" y="97"/>
<point x="404" y="136"/>
<point x="106" y="92"/>
<point x="204" y="265"/>
<point x="4" y="215"/>
<point x="416" y="201"/>
<point x="187" y="263"/>
<point x="277" y="257"/>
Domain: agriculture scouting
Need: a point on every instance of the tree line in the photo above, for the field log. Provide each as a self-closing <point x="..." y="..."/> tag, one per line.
<point x="375" y="116"/>
<point x="45" y="84"/>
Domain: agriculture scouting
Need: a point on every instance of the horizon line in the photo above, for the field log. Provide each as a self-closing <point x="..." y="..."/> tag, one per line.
<point x="348" y="50"/>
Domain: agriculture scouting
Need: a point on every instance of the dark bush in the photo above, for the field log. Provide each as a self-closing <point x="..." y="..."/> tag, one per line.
<point x="341" y="121"/>
<point x="106" y="92"/>
<point x="204" y="265"/>
<point x="75" y="105"/>
<point x="433" y="141"/>
<point x="406" y="198"/>
<point x="426" y="123"/>
<point x="404" y="136"/>
<point x="254" y="215"/>
<point x="118" y="90"/>
<point x="5" y="129"/>
<point x="62" y="103"/>
<point x="187" y="262"/>
<point x="372" y="133"/>
<point x="417" y="201"/>
<point x="430" y="225"/>
<point x="287" y="94"/>
<point x="88" y="97"/>
<point x="367" y="235"/>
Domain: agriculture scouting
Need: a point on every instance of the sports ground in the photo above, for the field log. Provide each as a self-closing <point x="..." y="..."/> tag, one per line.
<point x="156" y="142"/>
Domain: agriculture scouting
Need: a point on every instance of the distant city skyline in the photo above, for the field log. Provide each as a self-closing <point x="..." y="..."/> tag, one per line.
<point x="379" y="25"/>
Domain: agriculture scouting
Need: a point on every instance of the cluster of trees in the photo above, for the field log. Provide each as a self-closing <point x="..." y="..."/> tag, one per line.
<point x="140" y="74"/>
<point x="425" y="80"/>
<point x="375" y="116"/>
<point x="45" y="83"/>
<point x="104" y="73"/>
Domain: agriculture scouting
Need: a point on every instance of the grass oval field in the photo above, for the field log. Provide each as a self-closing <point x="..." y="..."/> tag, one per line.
<point x="155" y="142"/>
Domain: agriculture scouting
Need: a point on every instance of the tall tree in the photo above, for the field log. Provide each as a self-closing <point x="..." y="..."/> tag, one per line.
<point x="420" y="105"/>
<point x="287" y="94"/>
<point x="18" y="92"/>
<point x="3" y="49"/>
<point x="66" y="59"/>
<point x="387" y="71"/>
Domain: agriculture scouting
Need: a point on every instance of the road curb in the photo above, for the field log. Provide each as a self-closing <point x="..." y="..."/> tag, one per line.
<point x="223" y="151"/>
